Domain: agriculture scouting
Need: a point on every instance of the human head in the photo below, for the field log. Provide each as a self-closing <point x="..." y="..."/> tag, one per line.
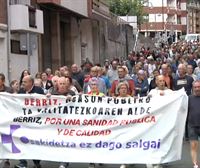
<point x="93" y="83"/>
<point x="57" y="73"/>
<point x="93" y="71"/>
<point x="122" y="89"/>
<point x="44" y="76"/>
<point x="27" y="82"/>
<point x="196" y="88"/>
<point x="48" y="71"/>
<point x="156" y="72"/>
<point x="67" y="73"/>
<point x="38" y="82"/>
<point x="160" y="82"/>
<point x="54" y="80"/>
<point x="198" y="63"/>
<point x="121" y="72"/>
<point x="62" y="85"/>
<point x="189" y="69"/>
<point x="24" y="73"/>
<point x="181" y="70"/>
<point x="69" y="81"/>
<point x="38" y="75"/>
<point x="74" y="68"/>
<point x="99" y="71"/>
<point x="164" y="68"/>
<point x="141" y="74"/>
<point x="15" y="86"/>
<point x="106" y="63"/>
<point x="114" y="64"/>
<point x="62" y="71"/>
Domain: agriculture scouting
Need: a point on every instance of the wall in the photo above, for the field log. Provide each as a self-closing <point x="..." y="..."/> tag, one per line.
<point x="86" y="40"/>
<point x="3" y="12"/>
<point x="78" y="6"/>
<point x="19" y="62"/>
<point x="158" y="3"/>
<point x="76" y="41"/>
<point x="3" y="52"/>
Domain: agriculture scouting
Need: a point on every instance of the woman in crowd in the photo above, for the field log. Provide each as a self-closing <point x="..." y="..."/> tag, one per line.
<point x="94" y="88"/>
<point x="122" y="89"/>
<point x="23" y="74"/>
<point x="70" y="84"/>
<point x="14" y="86"/>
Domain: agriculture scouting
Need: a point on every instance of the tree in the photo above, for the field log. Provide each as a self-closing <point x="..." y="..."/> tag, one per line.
<point x="128" y="7"/>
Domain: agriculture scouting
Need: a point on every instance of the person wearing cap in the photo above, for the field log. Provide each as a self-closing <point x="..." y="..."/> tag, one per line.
<point x="141" y="84"/>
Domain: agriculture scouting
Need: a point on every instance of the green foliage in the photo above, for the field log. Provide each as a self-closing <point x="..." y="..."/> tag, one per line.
<point x="127" y="7"/>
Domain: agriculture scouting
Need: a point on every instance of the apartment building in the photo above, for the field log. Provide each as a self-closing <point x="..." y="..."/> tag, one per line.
<point x="20" y="26"/>
<point x="36" y="34"/>
<point x="193" y="22"/>
<point x="164" y="18"/>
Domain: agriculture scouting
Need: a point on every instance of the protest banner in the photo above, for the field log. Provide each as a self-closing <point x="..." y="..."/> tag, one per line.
<point x="93" y="129"/>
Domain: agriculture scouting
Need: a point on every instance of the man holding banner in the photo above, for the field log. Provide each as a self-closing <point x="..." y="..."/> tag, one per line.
<point x="28" y="87"/>
<point x="93" y="129"/>
<point x="160" y="90"/>
<point x="194" y="122"/>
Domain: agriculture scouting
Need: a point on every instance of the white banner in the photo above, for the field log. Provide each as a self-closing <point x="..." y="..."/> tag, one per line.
<point x="93" y="129"/>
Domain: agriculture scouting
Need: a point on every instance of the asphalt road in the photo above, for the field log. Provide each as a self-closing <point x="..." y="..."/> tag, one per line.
<point x="185" y="162"/>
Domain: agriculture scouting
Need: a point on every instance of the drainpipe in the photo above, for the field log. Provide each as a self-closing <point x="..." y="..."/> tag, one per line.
<point x="8" y="41"/>
<point x="28" y="51"/>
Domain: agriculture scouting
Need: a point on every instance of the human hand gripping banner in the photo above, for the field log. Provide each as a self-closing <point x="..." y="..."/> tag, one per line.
<point x="93" y="129"/>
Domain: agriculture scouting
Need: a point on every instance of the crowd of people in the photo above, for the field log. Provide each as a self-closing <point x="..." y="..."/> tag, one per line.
<point x="147" y="72"/>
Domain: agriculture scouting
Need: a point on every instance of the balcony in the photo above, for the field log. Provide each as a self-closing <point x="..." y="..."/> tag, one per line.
<point x="193" y="5"/>
<point x="101" y="8"/>
<point x="26" y="19"/>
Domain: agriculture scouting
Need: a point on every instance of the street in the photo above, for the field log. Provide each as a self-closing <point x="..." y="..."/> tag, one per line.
<point x="185" y="162"/>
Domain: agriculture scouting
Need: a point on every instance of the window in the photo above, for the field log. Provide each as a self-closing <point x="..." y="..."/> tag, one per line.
<point x="32" y="17"/>
<point x="15" y="48"/>
<point x="14" y="2"/>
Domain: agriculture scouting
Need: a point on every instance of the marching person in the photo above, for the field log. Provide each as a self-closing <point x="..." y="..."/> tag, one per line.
<point x="160" y="90"/>
<point x="122" y="89"/>
<point x="28" y="87"/>
<point x="63" y="88"/>
<point x="4" y="88"/>
<point x="94" y="91"/>
<point x="194" y="122"/>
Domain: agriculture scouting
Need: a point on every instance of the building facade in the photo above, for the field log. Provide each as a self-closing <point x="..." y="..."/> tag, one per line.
<point x="36" y="34"/>
<point x="193" y="17"/>
<point x="20" y="27"/>
<point x="165" y="18"/>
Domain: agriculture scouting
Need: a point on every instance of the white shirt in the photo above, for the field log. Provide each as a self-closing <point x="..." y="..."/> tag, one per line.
<point x="158" y="92"/>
